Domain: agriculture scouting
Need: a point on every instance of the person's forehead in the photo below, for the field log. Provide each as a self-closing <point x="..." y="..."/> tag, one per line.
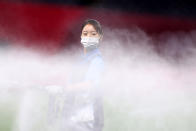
<point x="89" y="27"/>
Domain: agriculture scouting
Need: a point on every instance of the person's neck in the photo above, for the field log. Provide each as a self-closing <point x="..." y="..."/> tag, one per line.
<point x="88" y="50"/>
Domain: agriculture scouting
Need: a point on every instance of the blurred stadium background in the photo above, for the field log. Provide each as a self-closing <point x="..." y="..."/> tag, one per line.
<point x="55" y="24"/>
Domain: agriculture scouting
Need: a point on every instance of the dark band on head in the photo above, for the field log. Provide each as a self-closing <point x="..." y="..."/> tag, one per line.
<point x="95" y="24"/>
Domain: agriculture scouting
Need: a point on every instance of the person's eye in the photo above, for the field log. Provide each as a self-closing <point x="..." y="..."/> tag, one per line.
<point x="85" y="34"/>
<point x="94" y="34"/>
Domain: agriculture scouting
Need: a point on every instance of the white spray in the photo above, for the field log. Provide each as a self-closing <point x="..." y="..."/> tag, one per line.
<point x="143" y="90"/>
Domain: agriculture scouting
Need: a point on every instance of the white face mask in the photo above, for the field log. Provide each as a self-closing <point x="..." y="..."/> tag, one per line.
<point x="89" y="41"/>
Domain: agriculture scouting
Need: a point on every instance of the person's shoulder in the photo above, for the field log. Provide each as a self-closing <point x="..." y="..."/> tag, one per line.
<point x="98" y="60"/>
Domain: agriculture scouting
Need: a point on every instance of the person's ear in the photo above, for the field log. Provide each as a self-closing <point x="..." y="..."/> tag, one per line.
<point x="101" y="37"/>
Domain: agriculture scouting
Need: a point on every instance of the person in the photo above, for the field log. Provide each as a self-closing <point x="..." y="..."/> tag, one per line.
<point x="82" y="107"/>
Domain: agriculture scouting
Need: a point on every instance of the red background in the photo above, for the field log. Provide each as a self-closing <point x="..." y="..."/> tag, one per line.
<point x="56" y="26"/>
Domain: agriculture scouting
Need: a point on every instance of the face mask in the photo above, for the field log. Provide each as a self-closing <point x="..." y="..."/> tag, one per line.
<point x="89" y="41"/>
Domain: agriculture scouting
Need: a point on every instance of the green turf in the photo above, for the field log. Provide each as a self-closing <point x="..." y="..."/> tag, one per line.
<point x="119" y="116"/>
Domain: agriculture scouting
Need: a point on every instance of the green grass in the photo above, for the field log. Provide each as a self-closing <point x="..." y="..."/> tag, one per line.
<point x="118" y="117"/>
<point x="8" y="111"/>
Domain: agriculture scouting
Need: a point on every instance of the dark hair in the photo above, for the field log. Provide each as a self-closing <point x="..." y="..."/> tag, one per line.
<point x="95" y="24"/>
